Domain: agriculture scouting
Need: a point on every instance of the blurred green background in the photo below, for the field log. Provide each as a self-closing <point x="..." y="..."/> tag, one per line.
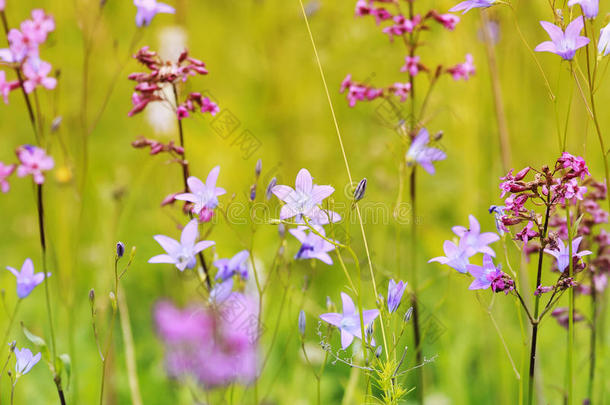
<point x="262" y="69"/>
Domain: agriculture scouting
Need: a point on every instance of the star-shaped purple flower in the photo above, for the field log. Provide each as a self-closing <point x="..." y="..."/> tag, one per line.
<point x="204" y="196"/>
<point x="475" y="241"/>
<point x="420" y="153"/>
<point x="563" y="254"/>
<point x="182" y="254"/>
<point x="313" y="246"/>
<point x="227" y="268"/>
<point x="455" y="256"/>
<point x="349" y="321"/>
<point x="27" y="280"/>
<point x="470" y="4"/>
<point x="395" y="292"/>
<point x="563" y="44"/>
<point x="148" y="9"/>
<point x="25" y="361"/>
<point x="485" y="275"/>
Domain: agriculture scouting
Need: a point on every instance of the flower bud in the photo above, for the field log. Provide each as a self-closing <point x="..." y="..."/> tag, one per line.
<point x="378" y="351"/>
<point x="269" y="191"/>
<point x="120" y="249"/>
<point x="253" y="192"/>
<point x="408" y="314"/>
<point x="360" y="190"/>
<point x="259" y="168"/>
<point x="302" y="323"/>
<point x="92" y="296"/>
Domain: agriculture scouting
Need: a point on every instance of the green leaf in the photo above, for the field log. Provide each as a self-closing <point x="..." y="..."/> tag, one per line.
<point x="38" y="342"/>
<point x="575" y="228"/>
<point x="67" y="363"/>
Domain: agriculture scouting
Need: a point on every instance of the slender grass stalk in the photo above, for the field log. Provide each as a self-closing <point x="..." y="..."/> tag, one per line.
<point x="130" y="356"/>
<point x="592" y="341"/>
<point x="111" y="327"/>
<point x="570" y="354"/>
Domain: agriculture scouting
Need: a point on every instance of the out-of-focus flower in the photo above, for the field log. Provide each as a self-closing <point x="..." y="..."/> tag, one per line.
<point x="203" y="196"/>
<point x="411" y="65"/>
<point x="455" y="256"/>
<point x="33" y="160"/>
<point x="25" y="360"/>
<point x="181" y="254"/>
<point x="470" y="4"/>
<point x="395" y="292"/>
<point x="420" y="153"/>
<point x="400" y="90"/>
<point x="474" y="240"/>
<point x="464" y="70"/>
<point x="236" y="265"/>
<point x="562" y="253"/>
<point x="604" y="41"/>
<point x="562" y="315"/>
<point x="590" y="8"/>
<point x="5" y="172"/>
<point x="36" y="72"/>
<point x="448" y="21"/>
<point x="2" y="5"/>
<point x="563" y="43"/>
<point x="313" y="246"/>
<point x="148" y="9"/>
<point x="27" y="280"/>
<point x="349" y="321"/>
<point x="6" y="87"/>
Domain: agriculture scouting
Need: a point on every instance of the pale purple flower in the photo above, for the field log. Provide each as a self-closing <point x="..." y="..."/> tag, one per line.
<point x="489" y="275"/>
<point x="349" y="321"/>
<point x="5" y="172"/>
<point x="420" y="153"/>
<point x="603" y="46"/>
<point x="590" y="8"/>
<point x="304" y="199"/>
<point x="25" y="361"/>
<point x="313" y="246"/>
<point x="455" y="256"/>
<point x="148" y="9"/>
<point x="395" y="292"/>
<point x="204" y="196"/>
<point x="475" y="241"/>
<point x="563" y="253"/>
<point x="182" y="254"/>
<point x="221" y="291"/>
<point x="33" y="160"/>
<point x="237" y="265"/>
<point x="27" y="280"/>
<point x="470" y="4"/>
<point x="563" y="44"/>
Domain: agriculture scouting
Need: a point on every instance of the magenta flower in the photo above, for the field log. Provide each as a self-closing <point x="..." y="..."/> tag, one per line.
<point x="420" y="153"/>
<point x="227" y="268"/>
<point x="470" y="4"/>
<point x="181" y="254"/>
<point x="527" y="233"/>
<point x="33" y="160"/>
<point x="604" y="41"/>
<point x="590" y="8"/>
<point x="203" y="196"/>
<point x="449" y="21"/>
<point x="148" y="9"/>
<point x="5" y="172"/>
<point x="411" y="65"/>
<point x="36" y="71"/>
<point x="2" y="5"/>
<point x="313" y="246"/>
<point x="475" y="241"/>
<point x="25" y="361"/>
<point x="455" y="256"/>
<point x="27" y="280"/>
<point x="395" y="292"/>
<point x="577" y="165"/>
<point x="562" y="254"/>
<point x="36" y="30"/>
<point x="489" y="276"/>
<point x="349" y="321"/>
<point x="6" y="87"/>
<point x="563" y="44"/>
<point x="464" y="70"/>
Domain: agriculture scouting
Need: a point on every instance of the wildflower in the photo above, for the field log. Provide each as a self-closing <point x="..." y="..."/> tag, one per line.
<point x="25" y="361"/>
<point x="236" y="265"/>
<point x="562" y="315"/>
<point x="449" y="21"/>
<point x="475" y="241"/>
<point x="563" y="44"/>
<point x="420" y="153"/>
<point x="512" y="183"/>
<point x="6" y="87"/>
<point x="313" y="246"/>
<point x="147" y="9"/>
<point x="402" y="25"/>
<point x="302" y="322"/>
<point x="411" y="65"/>
<point x="455" y="256"/>
<point x="604" y="41"/>
<point x="182" y="254"/>
<point x="499" y="212"/>
<point x="360" y="190"/>
<point x="395" y="292"/>
<point x="221" y="291"/>
<point x="590" y="8"/>
<point x="33" y="160"/>
<point x="463" y="70"/>
<point x="470" y="4"/>
<point x="203" y="196"/>
<point x="562" y="253"/>
<point x="27" y="280"/>
<point x="120" y="249"/>
<point x="489" y="275"/>
<point x="349" y="321"/>
<point x="303" y="200"/>
<point x="40" y="26"/>
<point x="400" y="90"/>
<point x="527" y="233"/>
<point x="36" y="71"/>
<point x="5" y="172"/>
<point x="577" y="165"/>
<point x="2" y="5"/>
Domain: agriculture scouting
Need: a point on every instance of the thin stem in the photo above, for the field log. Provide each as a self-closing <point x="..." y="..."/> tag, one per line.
<point x="570" y="348"/>
<point x="130" y="356"/>
<point x="593" y="340"/>
<point x="10" y="324"/>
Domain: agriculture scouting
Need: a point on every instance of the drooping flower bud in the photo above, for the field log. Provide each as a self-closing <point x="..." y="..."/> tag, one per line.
<point x="120" y="249"/>
<point x="378" y="351"/>
<point x="302" y="323"/>
<point x="269" y="192"/>
<point x="408" y="314"/>
<point x="360" y="190"/>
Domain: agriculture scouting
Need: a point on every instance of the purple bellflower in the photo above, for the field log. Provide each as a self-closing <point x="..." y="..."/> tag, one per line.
<point x="470" y="4"/>
<point x="475" y="241"/>
<point x="489" y="275"/>
<point x="313" y="246"/>
<point x="395" y="292"/>
<point x="563" y="44"/>
<point x="349" y="321"/>
<point x="148" y="9"/>
<point x="227" y="268"/>
<point x="26" y="279"/>
<point x="25" y="361"/>
<point x="420" y="153"/>
<point x="204" y="196"/>
<point x="455" y="256"/>
<point x="182" y="254"/>
<point x="590" y="8"/>
<point x="563" y="254"/>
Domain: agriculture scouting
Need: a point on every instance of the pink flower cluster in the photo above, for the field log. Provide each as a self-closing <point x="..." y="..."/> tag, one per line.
<point x="157" y="147"/>
<point x="361" y="92"/>
<point x="32" y="161"/>
<point x="163" y="73"/>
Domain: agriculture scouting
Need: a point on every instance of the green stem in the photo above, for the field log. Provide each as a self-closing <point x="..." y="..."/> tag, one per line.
<point x="570" y="360"/>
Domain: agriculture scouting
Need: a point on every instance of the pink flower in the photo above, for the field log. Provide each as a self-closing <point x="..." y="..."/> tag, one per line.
<point x="5" y="172"/>
<point x="401" y="90"/>
<point x="463" y="70"/>
<point x="346" y="83"/>
<point x="208" y="105"/>
<point x="148" y="9"/>
<point x="2" y="5"/>
<point x="402" y="25"/>
<point x="411" y="65"/>
<point x="449" y="21"/>
<point x="381" y="14"/>
<point x="363" y="8"/>
<point x="182" y="112"/>
<point x="577" y="165"/>
<point x="33" y="160"/>
<point x="527" y="233"/>
<point x="36" y="71"/>
<point x="37" y="29"/>
<point x="6" y="87"/>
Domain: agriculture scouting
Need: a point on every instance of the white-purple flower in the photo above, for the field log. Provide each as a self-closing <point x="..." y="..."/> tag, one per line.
<point x="470" y="4"/>
<point x="563" y="253"/>
<point x="603" y="46"/>
<point x="395" y="292"/>
<point x="25" y="361"/>
<point x="349" y="321"/>
<point x="227" y="268"/>
<point x="455" y="256"/>
<point x="204" y="196"/>
<point x="27" y="280"/>
<point x="590" y="8"/>
<point x="181" y="254"/>
<point x="485" y="275"/>
<point x="148" y="9"/>
<point x="313" y="246"/>
<point x="420" y="153"/>
<point x="563" y="44"/>
<point x="475" y="241"/>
